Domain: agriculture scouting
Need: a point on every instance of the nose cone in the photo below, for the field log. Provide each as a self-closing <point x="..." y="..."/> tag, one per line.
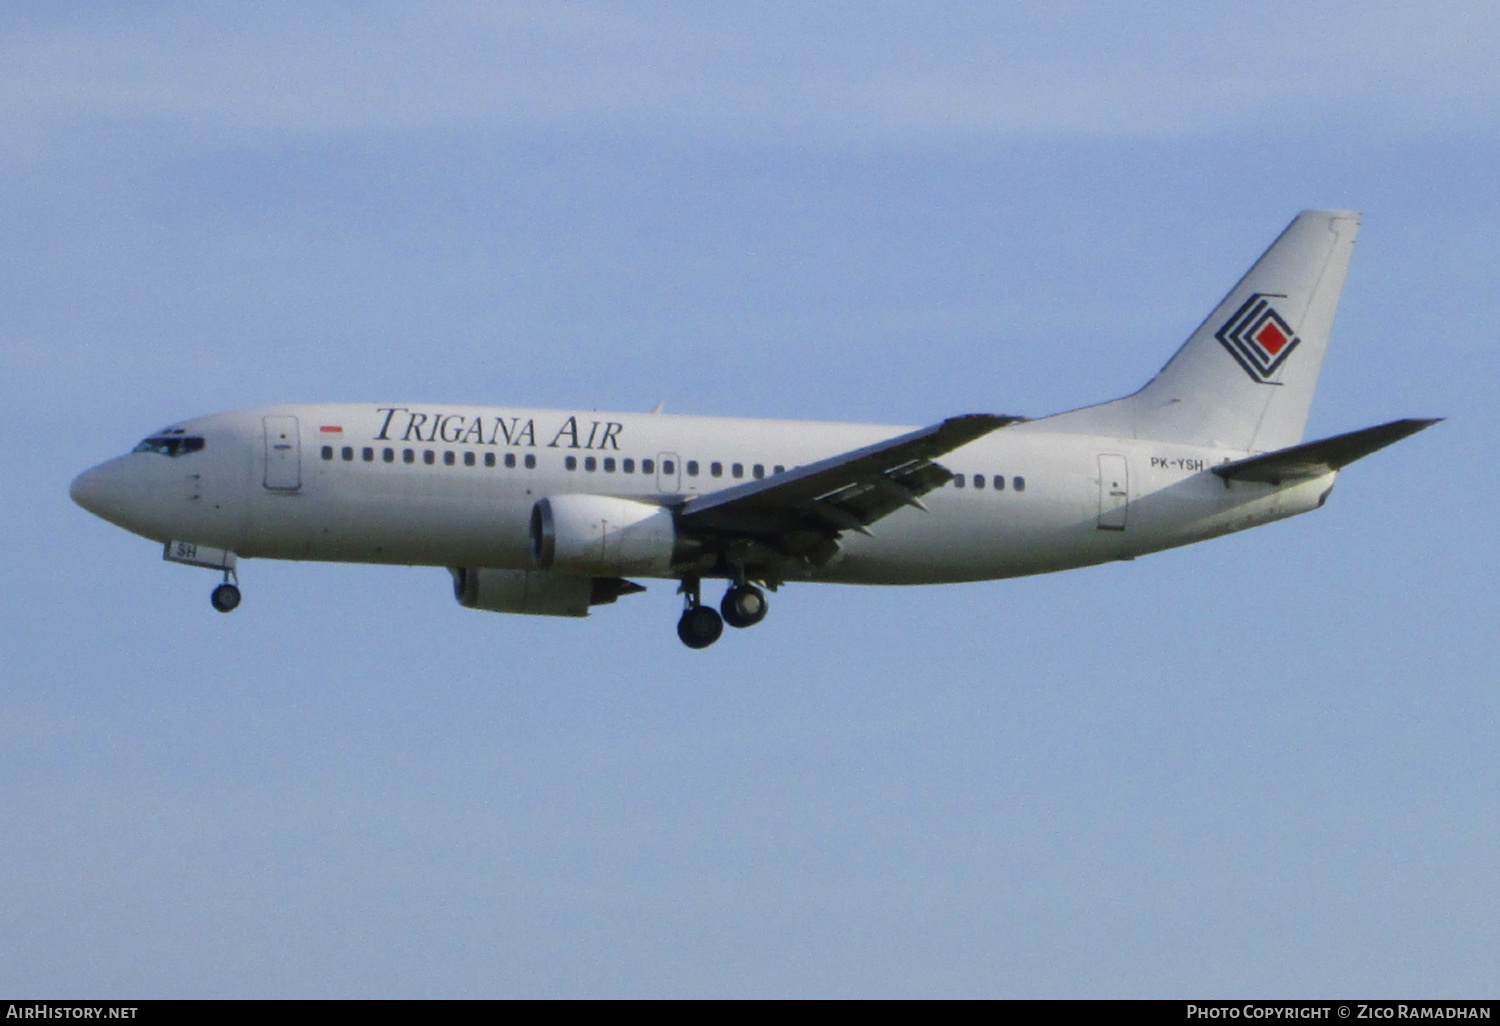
<point x="95" y="490"/>
<point x="111" y="491"/>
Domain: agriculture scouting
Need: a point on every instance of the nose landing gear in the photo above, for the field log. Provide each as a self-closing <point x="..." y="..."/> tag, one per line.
<point x="225" y="598"/>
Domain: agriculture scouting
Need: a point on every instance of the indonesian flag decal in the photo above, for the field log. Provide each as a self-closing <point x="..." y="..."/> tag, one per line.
<point x="1258" y="337"/>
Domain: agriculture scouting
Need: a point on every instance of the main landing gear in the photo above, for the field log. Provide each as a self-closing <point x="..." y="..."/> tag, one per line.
<point x="744" y="605"/>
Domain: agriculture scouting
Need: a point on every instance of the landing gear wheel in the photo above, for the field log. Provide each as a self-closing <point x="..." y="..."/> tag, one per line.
<point x="700" y="627"/>
<point x="226" y="598"/>
<point x="744" y="605"/>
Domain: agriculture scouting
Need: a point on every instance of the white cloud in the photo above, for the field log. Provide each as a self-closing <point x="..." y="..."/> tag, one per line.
<point x="1104" y="69"/>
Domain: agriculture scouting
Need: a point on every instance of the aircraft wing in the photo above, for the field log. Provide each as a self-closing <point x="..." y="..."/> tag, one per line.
<point x="1314" y="459"/>
<point x="803" y="510"/>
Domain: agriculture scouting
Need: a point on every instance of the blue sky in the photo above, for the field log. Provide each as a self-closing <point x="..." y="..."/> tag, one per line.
<point x="1264" y="765"/>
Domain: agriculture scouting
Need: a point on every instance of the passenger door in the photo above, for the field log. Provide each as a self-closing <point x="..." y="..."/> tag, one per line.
<point x="1114" y="492"/>
<point x="283" y="454"/>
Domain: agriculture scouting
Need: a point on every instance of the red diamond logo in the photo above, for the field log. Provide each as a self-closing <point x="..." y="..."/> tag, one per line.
<point x="1271" y="338"/>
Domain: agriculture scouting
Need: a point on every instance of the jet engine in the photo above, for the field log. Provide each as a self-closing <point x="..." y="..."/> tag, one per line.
<point x="597" y="535"/>
<point x="537" y="592"/>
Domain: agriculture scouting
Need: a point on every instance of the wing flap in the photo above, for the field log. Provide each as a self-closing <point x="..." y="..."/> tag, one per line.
<point x="1314" y="459"/>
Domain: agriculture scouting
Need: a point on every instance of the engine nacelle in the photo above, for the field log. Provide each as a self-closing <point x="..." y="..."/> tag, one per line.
<point x="522" y="591"/>
<point x="602" y="536"/>
<point x="537" y="592"/>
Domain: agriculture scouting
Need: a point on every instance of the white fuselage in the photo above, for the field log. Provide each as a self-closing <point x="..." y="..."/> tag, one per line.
<point x="412" y="484"/>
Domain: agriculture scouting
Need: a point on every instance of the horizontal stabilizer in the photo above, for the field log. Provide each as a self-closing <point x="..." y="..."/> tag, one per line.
<point x="1315" y="459"/>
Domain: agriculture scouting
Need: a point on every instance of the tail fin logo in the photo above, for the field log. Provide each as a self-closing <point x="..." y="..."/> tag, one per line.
<point x="1258" y="337"/>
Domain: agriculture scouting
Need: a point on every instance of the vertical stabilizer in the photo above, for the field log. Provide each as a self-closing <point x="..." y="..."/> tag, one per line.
<point x="1246" y="377"/>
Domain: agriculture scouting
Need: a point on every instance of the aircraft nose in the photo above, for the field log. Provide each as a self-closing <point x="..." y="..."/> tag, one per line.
<point x="91" y="490"/>
<point x="105" y="491"/>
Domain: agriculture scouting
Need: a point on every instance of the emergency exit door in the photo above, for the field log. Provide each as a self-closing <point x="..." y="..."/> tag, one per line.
<point x="1114" y="492"/>
<point x="283" y="454"/>
<point x="668" y="472"/>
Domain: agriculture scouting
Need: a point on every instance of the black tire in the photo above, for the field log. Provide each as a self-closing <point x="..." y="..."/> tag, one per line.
<point x="744" y="606"/>
<point x="700" y="627"/>
<point x="226" y="598"/>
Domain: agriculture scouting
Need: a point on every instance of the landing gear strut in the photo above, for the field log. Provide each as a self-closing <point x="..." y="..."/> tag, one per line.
<point x="226" y="597"/>
<point x="700" y="625"/>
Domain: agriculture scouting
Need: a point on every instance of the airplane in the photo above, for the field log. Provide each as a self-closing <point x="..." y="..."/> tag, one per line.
<point x="552" y="512"/>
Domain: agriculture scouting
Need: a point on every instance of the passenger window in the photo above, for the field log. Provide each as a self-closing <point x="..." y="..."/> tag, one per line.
<point x="978" y="480"/>
<point x="692" y="468"/>
<point x="609" y="464"/>
<point x="716" y="469"/>
<point x="570" y="462"/>
<point x="1020" y="484"/>
<point x="759" y="471"/>
<point x="327" y="452"/>
<point x="389" y="455"/>
<point x="530" y="461"/>
<point x="428" y="457"/>
<point x="627" y="465"/>
<point x="999" y="482"/>
<point x="778" y="469"/>
<point x="489" y="459"/>
<point x="510" y="459"/>
<point x="590" y="464"/>
<point x="448" y="458"/>
<point x="649" y="467"/>
<point x="738" y="470"/>
<point x="407" y="456"/>
<point x="348" y="452"/>
<point x="468" y="459"/>
<point x="958" y="481"/>
<point x="368" y="455"/>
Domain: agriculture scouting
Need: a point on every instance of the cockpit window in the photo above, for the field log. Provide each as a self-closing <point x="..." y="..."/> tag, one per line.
<point x="170" y="446"/>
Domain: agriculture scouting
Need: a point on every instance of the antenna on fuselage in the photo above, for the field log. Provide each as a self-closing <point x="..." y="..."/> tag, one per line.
<point x="659" y="404"/>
